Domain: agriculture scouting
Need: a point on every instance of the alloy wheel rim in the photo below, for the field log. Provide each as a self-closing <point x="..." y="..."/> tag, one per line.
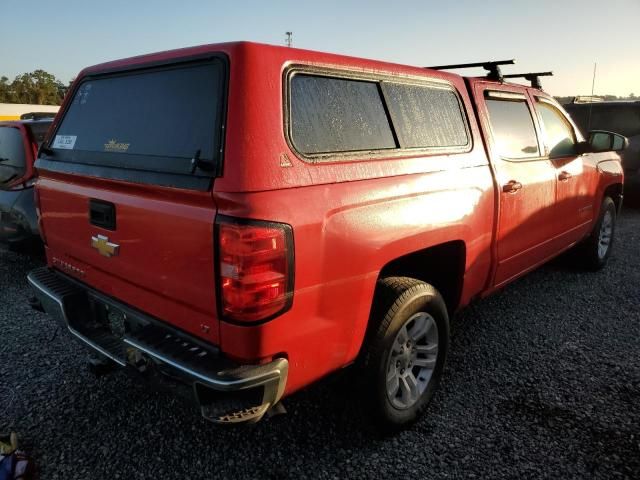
<point x="605" y="235"/>
<point x="412" y="360"/>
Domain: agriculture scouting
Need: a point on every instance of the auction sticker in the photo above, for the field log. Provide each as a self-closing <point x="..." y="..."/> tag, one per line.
<point x="64" y="142"/>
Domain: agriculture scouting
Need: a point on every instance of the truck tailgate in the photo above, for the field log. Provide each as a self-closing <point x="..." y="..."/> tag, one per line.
<point x="158" y="257"/>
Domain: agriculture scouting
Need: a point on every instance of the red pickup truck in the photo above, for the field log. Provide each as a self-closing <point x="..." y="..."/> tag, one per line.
<point x="250" y="218"/>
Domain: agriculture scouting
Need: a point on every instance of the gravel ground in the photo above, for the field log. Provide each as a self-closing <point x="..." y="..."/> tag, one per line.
<point x="543" y="380"/>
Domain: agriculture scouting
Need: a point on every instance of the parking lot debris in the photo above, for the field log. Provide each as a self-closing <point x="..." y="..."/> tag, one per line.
<point x="14" y="463"/>
<point x="8" y="443"/>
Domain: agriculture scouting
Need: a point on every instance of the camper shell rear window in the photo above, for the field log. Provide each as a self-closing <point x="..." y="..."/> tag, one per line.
<point x="160" y="125"/>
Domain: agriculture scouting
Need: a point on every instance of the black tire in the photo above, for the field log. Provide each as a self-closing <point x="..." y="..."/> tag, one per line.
<point x="397" y="300"/>
<point x="587" y="254"/>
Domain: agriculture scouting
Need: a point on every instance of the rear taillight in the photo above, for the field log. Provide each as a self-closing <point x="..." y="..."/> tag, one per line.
<point x="255" y="268"/>
<point x="36" y="201"/>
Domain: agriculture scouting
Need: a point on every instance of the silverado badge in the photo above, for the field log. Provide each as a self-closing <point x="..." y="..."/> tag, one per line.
<point x="104" y="246"/>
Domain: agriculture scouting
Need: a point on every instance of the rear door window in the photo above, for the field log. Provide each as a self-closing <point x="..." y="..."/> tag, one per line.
<point x="154" y="120"/>
<point x="12" y="155"/>
<point x="337" y="115"/>
<point x="426" y="116"/>
<point x="513" y="129"/>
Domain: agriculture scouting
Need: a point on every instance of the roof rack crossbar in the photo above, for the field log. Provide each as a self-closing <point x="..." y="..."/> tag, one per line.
<point x="492" y="67"/>
<point x="533" y="77"/>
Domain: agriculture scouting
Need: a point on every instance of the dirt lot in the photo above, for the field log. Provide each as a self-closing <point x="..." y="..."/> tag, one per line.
<point x="543" y="380"/>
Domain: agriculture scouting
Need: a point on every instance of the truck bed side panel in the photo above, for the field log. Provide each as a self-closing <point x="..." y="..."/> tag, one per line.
<point x="344" y="236"/>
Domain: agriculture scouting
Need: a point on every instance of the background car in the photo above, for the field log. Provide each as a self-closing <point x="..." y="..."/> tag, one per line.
<point x="19" y="143"/>
<point x="619" y="117"/>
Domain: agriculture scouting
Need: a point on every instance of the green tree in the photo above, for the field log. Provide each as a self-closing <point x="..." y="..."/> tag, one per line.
<point x="38" y="87"/>
<point x="5" y="89"/>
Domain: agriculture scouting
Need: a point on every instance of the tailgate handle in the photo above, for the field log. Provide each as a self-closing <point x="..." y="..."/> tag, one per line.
<point x="102" y="214"/>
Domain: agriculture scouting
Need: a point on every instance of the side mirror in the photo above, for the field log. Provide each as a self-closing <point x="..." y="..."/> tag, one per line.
<point x="603" y="141"/>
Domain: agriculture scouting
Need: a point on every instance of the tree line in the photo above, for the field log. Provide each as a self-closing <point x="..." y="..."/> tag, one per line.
<point x="42" y="88"/>
<point x="37" y="87"/>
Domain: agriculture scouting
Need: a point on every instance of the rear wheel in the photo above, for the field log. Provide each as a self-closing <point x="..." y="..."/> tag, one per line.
<point x="405" y="351"/>
<point x="594" y="252"/>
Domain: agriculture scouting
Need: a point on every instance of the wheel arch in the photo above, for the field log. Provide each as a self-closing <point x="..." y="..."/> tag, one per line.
<point x="615" y="191"/>
<point x="441" y="266"/>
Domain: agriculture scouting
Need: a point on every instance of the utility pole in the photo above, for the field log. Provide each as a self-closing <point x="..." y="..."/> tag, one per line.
<point x="593" y="88"/>
<point x="289" y="39"/>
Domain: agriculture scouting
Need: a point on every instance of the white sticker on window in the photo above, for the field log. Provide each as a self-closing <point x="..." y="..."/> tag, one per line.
<point x="65" y="142"/>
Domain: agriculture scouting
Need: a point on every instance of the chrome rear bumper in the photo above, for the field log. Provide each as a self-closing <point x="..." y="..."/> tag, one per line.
<point x="226" y="393"/>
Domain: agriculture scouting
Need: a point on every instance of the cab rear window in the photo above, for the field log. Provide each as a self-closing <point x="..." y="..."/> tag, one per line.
<point x="152" y="120"/>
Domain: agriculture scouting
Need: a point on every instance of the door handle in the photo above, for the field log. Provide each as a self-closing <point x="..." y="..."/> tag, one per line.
<point x="511" y="187"/>
<point x="564" y="176"/>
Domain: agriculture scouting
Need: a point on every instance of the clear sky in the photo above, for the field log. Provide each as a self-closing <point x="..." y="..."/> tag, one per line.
<point x="566" y="36"/>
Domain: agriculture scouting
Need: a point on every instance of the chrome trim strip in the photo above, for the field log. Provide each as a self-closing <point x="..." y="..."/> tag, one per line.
<point x="275" y="376"/>
<point x="217" y="382"/>
<point x="505" y="95"/>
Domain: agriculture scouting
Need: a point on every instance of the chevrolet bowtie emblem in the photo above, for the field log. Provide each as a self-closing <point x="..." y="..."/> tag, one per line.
<point x="104" y="246"/>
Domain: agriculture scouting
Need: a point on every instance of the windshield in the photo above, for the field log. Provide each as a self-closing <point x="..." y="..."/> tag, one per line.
<point x="151" y="120"/>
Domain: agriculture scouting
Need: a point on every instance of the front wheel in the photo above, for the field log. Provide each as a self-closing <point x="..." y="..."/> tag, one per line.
<point x="405" y="351"/>
<point x="595" y="250"/>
